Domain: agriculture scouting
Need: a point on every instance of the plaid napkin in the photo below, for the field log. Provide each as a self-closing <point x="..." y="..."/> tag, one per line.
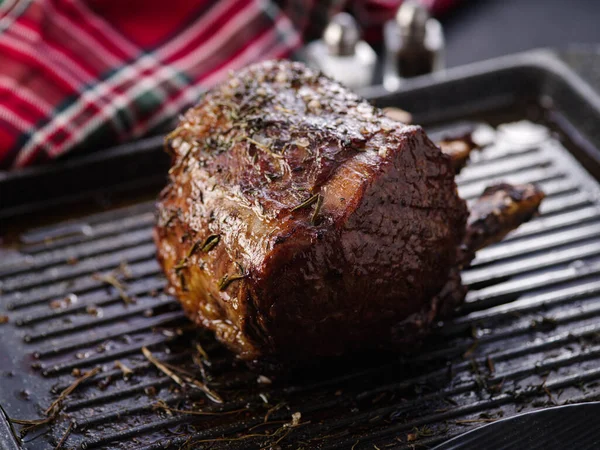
<point x="80" y="75"/>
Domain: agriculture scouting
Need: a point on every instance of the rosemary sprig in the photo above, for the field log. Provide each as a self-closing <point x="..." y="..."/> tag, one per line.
<point x="313" y="218"/>
<point x="181" y="380"/>
<point x="29" y="425"/>
<point x="210" y="242"/>
<point x="212" y="395"/>
<point x="272" y="410"/>
<point x="120" y="287"/>
<point x="10" y="425"/>
<point x="318" y="200"/>
<point x="470" y="421"/>
<point x="202" y="352"/>
<point x="194" y="248"/>
<point x="200" y="359"/>
<point x="182" y="281"/>
<point x="171" y="217"/>
<point x="228" y="279"/>
<point x="419" y="433"/>
<point x="306" y="202"/>
<point x="262" y="147"/>
<point x="56" y="405"/>
<point x="54" y="409"/>
<point x="180" y="265"/>
<point x="64" y="437"/>
<point x="168" y="372"/>
<point x="207" y="245"/>
<point x="124" y="270"/>
<point x="162" y="405"/>
<point x="275" y="437"/>
<point x="181" y="161"/>
<point x="127" y="372"/>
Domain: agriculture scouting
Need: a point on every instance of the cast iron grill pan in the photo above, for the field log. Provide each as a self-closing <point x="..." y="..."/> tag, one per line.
<point x="528" y="336"/>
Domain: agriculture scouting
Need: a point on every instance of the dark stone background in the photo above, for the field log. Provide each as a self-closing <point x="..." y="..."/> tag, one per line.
<point x="482" y="29"/>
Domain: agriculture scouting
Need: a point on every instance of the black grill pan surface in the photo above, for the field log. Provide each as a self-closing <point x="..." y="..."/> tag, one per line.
<point x="528" y="336"/>
<point x="557" y="428"/>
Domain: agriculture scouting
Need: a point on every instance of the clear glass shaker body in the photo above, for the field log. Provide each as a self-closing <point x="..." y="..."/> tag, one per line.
<point x="408" y="56"/>
<point x="354" y="71"/>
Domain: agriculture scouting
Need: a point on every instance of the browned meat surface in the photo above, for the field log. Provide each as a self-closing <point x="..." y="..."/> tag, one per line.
<point x="499" y="210"/>
<point x="458" y="149"/>
<point x="300" y="222"/>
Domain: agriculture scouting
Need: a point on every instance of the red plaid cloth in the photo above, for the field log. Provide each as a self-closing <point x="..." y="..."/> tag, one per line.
<point x="81" y="75"/>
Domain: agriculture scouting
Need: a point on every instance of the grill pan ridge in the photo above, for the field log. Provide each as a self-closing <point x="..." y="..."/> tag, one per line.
<point x="528" y="336"/>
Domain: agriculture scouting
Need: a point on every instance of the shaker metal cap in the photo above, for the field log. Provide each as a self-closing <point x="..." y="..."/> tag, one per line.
<point x="341" y="35"/>
<point x="412" y="19"/>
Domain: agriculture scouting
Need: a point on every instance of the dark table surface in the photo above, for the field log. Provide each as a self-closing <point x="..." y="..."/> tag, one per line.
<point x="483" y="29"/>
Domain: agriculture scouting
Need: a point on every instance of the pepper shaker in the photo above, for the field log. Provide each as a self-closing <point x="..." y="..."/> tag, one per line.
<point x="341" y="54"/>
<point x="414" y="45"/>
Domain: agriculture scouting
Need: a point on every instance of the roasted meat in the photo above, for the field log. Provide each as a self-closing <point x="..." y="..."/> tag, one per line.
<point x="499" y="210"/>
<point x="459" y="149"/>
<point x="300" y="222"/>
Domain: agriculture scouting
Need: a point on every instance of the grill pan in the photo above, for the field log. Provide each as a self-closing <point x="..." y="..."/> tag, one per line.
<point x="528" y="336"/>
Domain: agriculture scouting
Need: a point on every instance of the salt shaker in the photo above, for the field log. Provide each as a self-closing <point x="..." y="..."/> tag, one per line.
<point x="414" y="45"/>
<point x="341" y="54"/>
